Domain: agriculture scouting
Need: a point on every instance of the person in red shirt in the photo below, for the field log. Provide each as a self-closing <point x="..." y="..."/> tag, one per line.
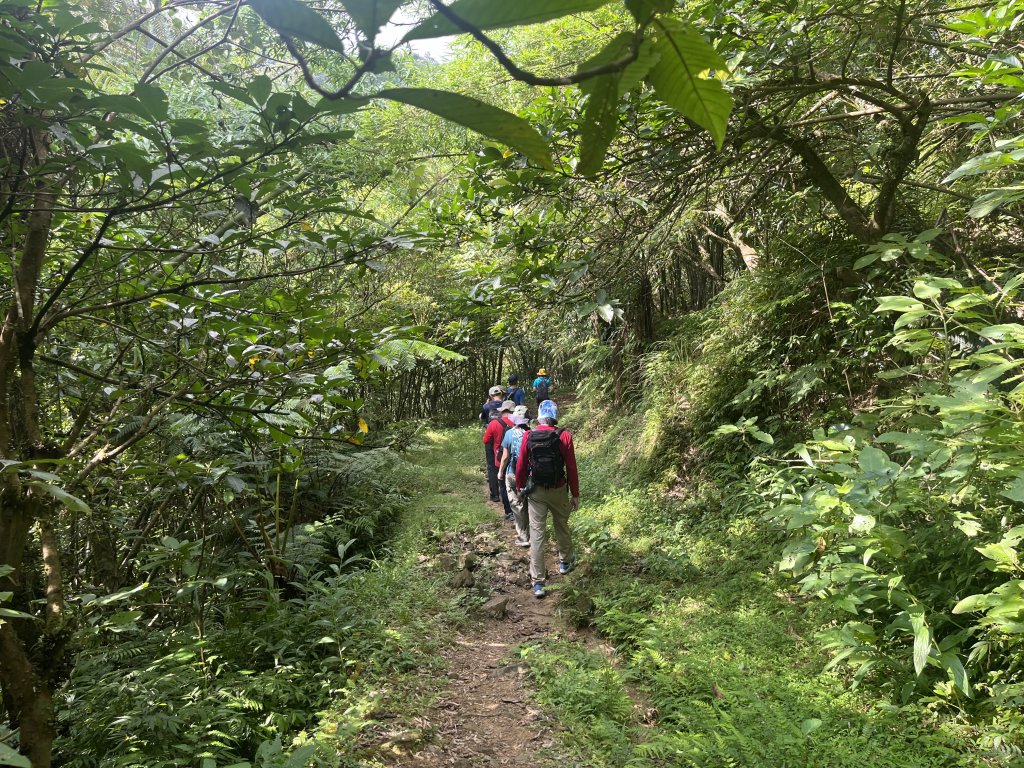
<point x="493" y="436"/>
<point x="556" y="489"/>
<point x="495" y="396"/>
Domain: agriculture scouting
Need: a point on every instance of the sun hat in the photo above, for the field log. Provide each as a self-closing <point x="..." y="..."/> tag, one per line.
<point x="520" y="411"/>
<point x="520" y="420"/>
<point x="542" y="372"/>
<point x="495" y="391"/>
<point x="508" y="405"/>
<point x="547" y="410"/>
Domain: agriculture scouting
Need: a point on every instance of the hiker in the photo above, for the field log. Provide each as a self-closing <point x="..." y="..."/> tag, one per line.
<point x="509" y="454"/>
<point x="514" y="392"/>
<point x="495" y="397"/>
<point x="541" y="386"/>
<point x="545" y="471"/>
<point x="493" y="436"/>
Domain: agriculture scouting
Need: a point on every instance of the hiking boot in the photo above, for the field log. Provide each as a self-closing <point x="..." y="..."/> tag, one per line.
<point x="522" y="542"/>
<point x="509" y="517"/>
<point x="565" y="567"/>
<point x="538" y="589"/>
<point x="496" y="499"/>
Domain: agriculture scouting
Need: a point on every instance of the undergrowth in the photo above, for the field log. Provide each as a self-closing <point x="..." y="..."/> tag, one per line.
<point x="760" y="449"/>
<point x="270" y="675"/>
<point x="714" y="661"/>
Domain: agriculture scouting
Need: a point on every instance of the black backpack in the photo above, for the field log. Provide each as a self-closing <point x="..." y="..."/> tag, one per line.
<point x="541" y="390"/>
<point x="547" y="467"/>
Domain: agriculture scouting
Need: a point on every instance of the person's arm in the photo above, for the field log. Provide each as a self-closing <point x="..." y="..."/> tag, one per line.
<point x="571" y="471"/>
<point x="523" y="463"/>
<point x="506" y="457"/>
<point x="489" y="434"/>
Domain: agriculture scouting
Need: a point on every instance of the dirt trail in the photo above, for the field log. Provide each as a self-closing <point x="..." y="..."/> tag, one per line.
<point x="486" y="718"/>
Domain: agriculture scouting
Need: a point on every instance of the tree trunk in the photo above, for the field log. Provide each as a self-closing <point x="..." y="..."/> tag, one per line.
<point x="31" y="657"/>
<point x="29" y="696"/>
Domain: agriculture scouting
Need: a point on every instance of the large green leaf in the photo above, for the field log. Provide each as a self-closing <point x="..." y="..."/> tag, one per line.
<point x="71" y="502"/>
<point x="897" y="304"/>
<point x="985" y="163"/>
<point x="371" y="15"/>
<point x="642" y="10"/>
<point x="972" y="603"/>
<point x="477" y="116"/>
<point x="678" y="76"/>
<point x="997" y="198"/>
<point x="1015" y="491"/>
<point x="295" y="19"/>
<point x="922" y="638"/>
<point x="488" y="14"/>
<point x="9" y="757"/>
<point x="952" y="664"/>
<point x="601" y="118"/>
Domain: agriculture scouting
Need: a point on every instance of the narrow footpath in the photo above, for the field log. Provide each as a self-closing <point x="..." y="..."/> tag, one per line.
<point x="485" y="716"/>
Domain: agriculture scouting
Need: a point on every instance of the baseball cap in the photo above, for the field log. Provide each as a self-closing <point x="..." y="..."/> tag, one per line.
<point x="548" y="410"/>
<point x="495" y="391"/>
<point x="508" y="405"/>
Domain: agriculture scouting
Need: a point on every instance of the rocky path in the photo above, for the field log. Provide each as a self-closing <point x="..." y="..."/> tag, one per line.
<point x="485" y="717"/>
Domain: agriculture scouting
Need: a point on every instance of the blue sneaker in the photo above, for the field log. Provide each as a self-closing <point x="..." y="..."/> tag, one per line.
<point x="538" y="589"/>
<point x="565" y="567"/>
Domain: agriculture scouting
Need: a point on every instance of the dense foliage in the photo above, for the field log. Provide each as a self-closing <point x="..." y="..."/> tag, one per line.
<point x="255" y="247"/>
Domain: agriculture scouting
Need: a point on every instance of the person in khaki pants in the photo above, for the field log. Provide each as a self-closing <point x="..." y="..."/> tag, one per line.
<point x="546" y="472"/>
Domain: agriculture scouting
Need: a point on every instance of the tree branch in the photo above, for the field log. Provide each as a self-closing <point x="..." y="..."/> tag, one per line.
<point x="528" y="77"/>
<point x="902" y="157"/>
<point x="135" y="25"/>
<point x="820" y="175"/>
<point x="232" y="8"/>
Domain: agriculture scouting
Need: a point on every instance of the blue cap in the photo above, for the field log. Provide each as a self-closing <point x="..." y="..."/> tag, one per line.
<point x="547" y="410"/>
